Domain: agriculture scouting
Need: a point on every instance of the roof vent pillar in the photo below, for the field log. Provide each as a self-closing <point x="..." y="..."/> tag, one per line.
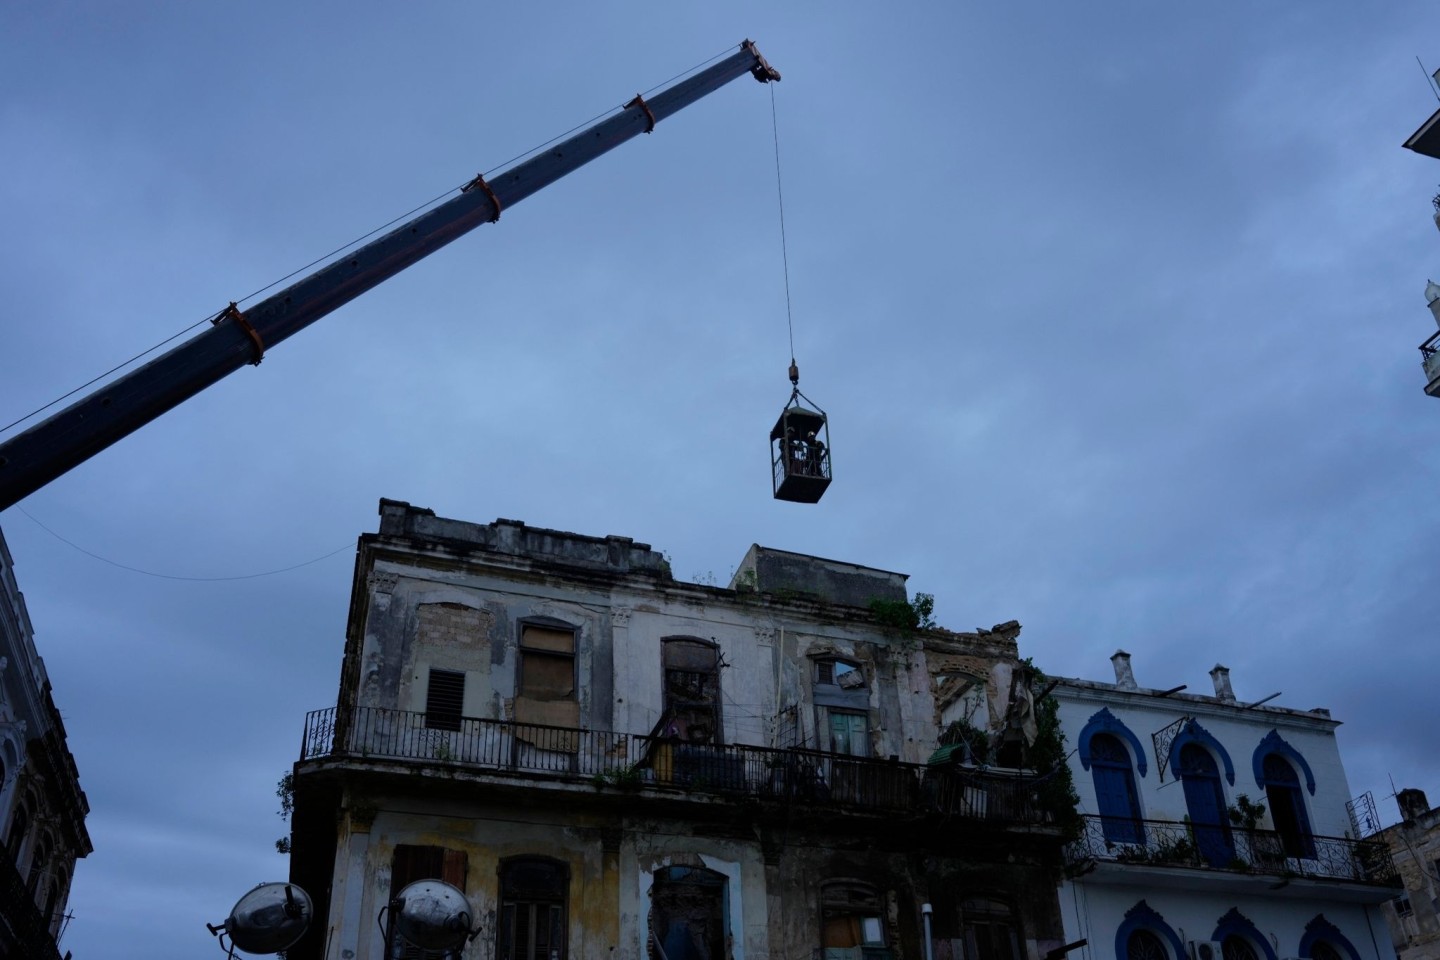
<point x="1413" y="804"/>
<point x="1220" y="676"/>
<point x="1124" y="677"/>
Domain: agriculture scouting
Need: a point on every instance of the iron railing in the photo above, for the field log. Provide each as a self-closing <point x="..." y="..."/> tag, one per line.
<point x="636" y="762"/>
<point x="1225" y="847"/>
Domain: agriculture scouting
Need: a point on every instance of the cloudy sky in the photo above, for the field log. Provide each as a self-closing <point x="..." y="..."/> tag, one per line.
<point x="1114" y="308"/>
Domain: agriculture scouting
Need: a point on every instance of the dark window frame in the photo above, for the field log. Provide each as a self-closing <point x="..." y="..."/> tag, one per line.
<point x="445" y="699"/>
<point x="532" y="904"/>
<point x="674" y="707"/>
<point x="522" y="653"/>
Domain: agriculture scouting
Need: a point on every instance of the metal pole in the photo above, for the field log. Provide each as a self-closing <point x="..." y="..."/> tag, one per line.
<point x="925" y="911"/>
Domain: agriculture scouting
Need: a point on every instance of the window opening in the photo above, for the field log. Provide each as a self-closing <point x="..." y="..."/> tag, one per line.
<point x="18" y="828"/>
<point x="989" y="928"/>
<point x="1145" y="945"/>
<point x="547" y="663"/>
<point x="849" y="733"/>
<point x="1287" y="807"/>
<point x="1402" y="906"/>
<point x="1320" y="950"/>
<point x="444" y="699"/>
<point x="692" y="690"/>
<point x="1115" y="792"/>
<point x="687" y="915"/>
<point x="1205" y="800"/>
<point x="1236" y="947"/>
<point x="533" y="895"/>
<point x="839" y="673"/>
<point x="850" y="922"/>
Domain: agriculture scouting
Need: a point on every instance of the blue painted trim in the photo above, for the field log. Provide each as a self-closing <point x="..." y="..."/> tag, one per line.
<point x="1143" y="917"/>
<point x="1194" y="733"/>
<point x="1274" y="743"/>
<point x="1236" y="922"/>
<point x="1322" y="929"/>
<point x="1106" y="722"/>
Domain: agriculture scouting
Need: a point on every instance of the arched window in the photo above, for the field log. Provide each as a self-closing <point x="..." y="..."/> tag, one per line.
<point x="1287" y="807"/>
<point x="687" y="915"/>
<point x="1115" y="792"/>
<point x="1205" y="802"/>
<point x="39" y="861"/>
<point x="1323" y="940"/>
<point x="533" y="897"/>
<point x="1240" y="940"/>
<point x="1144" y="935"/>
<point x="1143" y="944"/>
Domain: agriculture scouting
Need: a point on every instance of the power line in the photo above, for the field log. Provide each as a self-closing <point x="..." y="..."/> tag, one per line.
<point x="168" y="576"/>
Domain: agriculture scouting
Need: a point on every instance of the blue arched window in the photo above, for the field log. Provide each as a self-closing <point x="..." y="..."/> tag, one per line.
<point x="1240" y="940"/>
<point x="1103" y="721"/>
<point x="1278" y="767"/>
<point x="1115" y="792"/>
<point x="1322" y="940"/>
<point x="1205" y="802"/>
<point x="1144" y="935"/>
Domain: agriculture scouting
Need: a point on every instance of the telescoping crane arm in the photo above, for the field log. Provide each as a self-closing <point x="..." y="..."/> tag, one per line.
<point x="33" y="458"/>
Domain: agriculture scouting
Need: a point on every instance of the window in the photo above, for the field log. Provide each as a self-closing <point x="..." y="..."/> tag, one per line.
<point x="444" y="699"/>
<point x="687" y="915"/>
<point x="989" y="928"/>
<point x="1287" y="807"/>
<point x="839" y="673"/>
<point x="547" y="662"/>
<point x="1236" y="947"/>
<point x="1145" y="945"/>
<point x="692" y="690"/>
<point x="1115" y="792"/>
<point x="531" y="925"/>
<point x="1402" y="906"/>
<point x="850" y="922"/>
<point x="19" y="826"/>
<point x="410" y="863"/>
<point x="39" y="861"/>
<point x="1320" y="950"/>
<point x="1205" y="801"/>
<point x="849" y="733"/>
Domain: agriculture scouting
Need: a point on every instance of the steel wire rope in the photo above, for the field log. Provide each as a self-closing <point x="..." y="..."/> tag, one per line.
<point x="348" y="246"/>
<point x="168" y="576"/>
<point x="784" y="251"/>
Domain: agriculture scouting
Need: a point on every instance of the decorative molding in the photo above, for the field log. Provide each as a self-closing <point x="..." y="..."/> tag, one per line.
<point x="1274" y="743"/>
<point x="1235" y="923"/>
<point x="1192" y="732"/>
<point x="765" y="636"/>
<point x="381" y="581"/>
<point x="620" y="617"/>
<point x="1144" y="917"/>
<point x="1103" y="721"/>
<point x="1320" y="929"/>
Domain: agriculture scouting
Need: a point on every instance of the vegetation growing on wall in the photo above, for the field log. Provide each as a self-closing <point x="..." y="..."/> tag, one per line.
<point x="1046" y="756"/>
<point x="285" y="791"/>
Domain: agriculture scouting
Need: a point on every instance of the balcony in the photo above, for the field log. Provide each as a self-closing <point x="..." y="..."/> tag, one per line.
<point x="661" y="766"/>
<point x="1167" y="843"/>
<point x="1430" y="359"/>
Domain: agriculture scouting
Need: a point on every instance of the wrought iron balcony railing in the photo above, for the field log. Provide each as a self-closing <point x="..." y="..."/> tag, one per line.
<point x="1225" y="847"/>
<point x="635" y="762"/>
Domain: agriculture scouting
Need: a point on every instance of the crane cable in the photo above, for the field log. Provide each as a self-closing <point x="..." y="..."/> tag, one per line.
<point x="784" y="251"/>
<point x="210" y="318"/>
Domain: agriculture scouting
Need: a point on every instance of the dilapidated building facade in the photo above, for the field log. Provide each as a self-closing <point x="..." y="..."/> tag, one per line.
<point x="42" y="808"/>
<point x="1214" y="829"/>
<point x="1414" y="914"/>
<point x="613" y="763"/>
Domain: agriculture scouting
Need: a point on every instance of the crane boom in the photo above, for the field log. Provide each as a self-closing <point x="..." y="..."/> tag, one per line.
<point x="33" y="458"/>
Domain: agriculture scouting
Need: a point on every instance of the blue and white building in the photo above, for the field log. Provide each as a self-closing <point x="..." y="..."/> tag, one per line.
<point x="1214" y="830"/>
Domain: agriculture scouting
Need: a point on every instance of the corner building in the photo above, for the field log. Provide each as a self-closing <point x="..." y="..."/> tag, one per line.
<point x="615" y="764"/>
<point x="1216" y="829"/>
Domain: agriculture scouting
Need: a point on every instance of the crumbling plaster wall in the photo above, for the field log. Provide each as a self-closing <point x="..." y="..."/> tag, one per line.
<point x="421" y="617"/>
